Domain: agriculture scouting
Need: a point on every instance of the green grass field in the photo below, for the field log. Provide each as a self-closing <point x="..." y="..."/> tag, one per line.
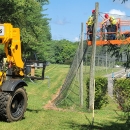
<point x="39" y="118"/>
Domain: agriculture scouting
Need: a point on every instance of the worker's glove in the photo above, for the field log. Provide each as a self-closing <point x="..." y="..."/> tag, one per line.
<point x="102" y="23"/>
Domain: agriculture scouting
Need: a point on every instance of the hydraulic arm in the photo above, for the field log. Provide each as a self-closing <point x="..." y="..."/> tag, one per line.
<point x="13" y="97"/>
<point x="10" y="37"/>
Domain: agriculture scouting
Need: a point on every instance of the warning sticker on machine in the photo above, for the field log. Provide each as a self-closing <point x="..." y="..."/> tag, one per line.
<point x="1" y="30"/>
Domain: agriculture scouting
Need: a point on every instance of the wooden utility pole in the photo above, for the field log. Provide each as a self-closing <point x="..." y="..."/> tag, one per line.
<point x="81" y="67"/>
<point x="92" y="66"/>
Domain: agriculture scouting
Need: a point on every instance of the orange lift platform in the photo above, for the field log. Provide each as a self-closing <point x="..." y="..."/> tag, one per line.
<point x="122" y="37"/>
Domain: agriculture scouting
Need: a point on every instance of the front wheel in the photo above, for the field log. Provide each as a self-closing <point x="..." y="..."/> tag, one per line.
<point x="13" y="104"/>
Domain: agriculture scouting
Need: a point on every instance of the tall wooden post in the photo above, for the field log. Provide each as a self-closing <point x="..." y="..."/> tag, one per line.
<point x="92" y="66"/>
<point x="81" y="68"/>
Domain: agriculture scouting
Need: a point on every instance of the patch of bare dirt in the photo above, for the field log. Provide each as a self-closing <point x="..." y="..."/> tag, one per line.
<point x="50" y="104"/>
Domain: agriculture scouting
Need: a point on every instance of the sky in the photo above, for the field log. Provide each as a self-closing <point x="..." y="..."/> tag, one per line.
<point x="67" y="15"/>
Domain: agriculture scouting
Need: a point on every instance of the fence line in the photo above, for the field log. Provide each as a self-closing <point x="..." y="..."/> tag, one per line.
<point x="71" y="74"/>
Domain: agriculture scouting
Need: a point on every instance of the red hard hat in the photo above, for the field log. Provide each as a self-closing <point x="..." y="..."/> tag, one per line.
<point x="93" y="11"/>
<point x="106" y="15"/>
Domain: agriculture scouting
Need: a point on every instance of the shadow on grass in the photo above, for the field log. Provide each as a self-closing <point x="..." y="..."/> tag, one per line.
<point x="96" y="126"/>
<point x="5" y="120"/>
<point x="34" y="110"/>
<point x="83" y="126"/>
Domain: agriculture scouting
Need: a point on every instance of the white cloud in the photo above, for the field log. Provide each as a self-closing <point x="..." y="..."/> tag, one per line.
<point x="61" y="21"/>
<point x="76" y="39"/>
<point x="117" y="12"/>
<point x="122" y="15"/>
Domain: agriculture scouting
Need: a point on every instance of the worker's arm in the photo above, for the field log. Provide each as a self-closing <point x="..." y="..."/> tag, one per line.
<point x="104" y="21"/>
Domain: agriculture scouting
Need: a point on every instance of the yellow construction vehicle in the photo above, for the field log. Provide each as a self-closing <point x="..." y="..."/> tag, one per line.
<point x="13" y="96"/>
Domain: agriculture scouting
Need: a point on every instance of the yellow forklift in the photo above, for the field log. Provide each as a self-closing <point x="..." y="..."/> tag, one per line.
<point x="13" y="96"/>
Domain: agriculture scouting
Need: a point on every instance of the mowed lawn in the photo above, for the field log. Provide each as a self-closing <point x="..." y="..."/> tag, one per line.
<point x="39" y="118"/>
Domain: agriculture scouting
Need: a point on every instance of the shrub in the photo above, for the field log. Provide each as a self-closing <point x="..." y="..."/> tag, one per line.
<point x="101" y="98"/>
<point x="122" y="93"/>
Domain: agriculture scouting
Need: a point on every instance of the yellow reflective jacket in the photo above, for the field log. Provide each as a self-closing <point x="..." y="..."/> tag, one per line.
<point x="112" y="20"/>
<point x="90" y="20"/>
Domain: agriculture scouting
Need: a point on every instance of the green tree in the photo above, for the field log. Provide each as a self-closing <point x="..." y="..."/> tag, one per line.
<point x="64" y="51"/>
<point x="30" y="18"/>
<point x="47" y="52"/>
<point x="60" y="52"/>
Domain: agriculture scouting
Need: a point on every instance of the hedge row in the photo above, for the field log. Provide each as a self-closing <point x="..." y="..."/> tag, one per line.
<point x="101" y="98"/>
<point x="122" y="93"/>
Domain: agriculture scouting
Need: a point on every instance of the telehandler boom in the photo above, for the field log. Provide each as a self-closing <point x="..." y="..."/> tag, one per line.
<point x="13" y="97"/>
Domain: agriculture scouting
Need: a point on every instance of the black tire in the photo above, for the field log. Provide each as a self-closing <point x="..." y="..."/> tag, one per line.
<point x="13" y="105"/>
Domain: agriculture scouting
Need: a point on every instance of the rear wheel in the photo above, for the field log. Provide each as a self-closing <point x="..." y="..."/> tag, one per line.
<point x="13" y="105"/>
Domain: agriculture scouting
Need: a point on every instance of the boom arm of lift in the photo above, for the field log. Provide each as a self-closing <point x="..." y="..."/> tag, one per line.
<point x="10" y="37"/>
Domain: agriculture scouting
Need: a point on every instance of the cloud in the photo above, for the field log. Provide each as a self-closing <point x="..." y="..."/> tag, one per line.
<point x="76" y="39"/>
<point x="117" y="12"/>
<point x="61" y="21"/>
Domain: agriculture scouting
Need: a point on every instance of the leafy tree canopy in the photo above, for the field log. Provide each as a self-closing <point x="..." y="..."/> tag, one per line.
<point x="28" y="15"/>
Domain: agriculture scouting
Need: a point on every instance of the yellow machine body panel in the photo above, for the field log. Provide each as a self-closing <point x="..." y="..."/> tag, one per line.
<point x="13" y="96"/>
<point x="11" y="38"/>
